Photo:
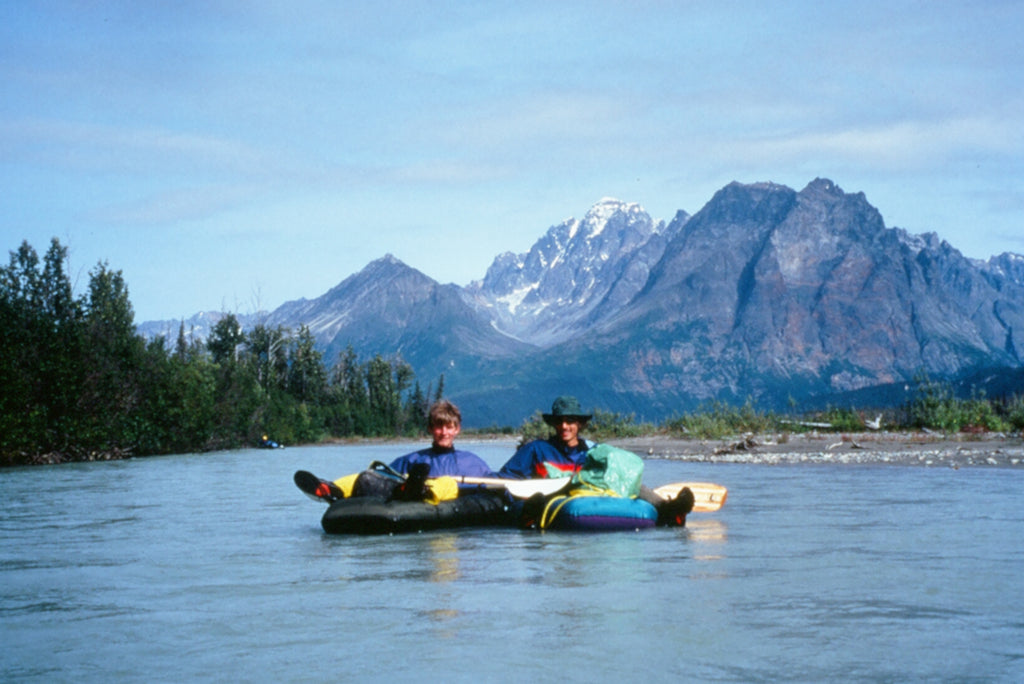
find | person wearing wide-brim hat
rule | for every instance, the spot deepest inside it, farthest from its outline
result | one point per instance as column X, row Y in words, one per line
column 560, row 455
column 565, row 452
column 566, row 409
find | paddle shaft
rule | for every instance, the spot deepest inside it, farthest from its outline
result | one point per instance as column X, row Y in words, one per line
column 521, row 489
column 708, row 497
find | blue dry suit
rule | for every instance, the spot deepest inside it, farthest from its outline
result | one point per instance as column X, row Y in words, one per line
column 545, row 458
column 449, row 461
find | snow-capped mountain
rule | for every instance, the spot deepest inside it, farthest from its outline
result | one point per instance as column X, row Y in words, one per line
column 766, row 293
column 577, row 272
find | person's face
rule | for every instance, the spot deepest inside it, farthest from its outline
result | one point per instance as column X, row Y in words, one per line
column 444, row 434
column 567, row 430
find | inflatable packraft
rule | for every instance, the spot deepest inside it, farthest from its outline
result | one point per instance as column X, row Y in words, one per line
column 595, row 514
column 378, row 515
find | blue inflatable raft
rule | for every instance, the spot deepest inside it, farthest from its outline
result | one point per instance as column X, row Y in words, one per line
column 596, row 514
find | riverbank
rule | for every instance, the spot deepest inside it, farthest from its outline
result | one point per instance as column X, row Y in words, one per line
column 895, row 448
column 929, row 449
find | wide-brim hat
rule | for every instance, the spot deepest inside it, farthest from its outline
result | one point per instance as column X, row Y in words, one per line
column 566, row 408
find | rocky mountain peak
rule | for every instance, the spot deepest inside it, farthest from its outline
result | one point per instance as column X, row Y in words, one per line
column 823, row 187
column 542, row 295
column 1008, row 266
column 608, row 210
column 765, row 293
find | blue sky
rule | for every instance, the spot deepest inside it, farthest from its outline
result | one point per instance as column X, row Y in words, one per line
column 238, row 155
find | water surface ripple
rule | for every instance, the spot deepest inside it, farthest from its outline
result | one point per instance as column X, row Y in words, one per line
column 213, row 567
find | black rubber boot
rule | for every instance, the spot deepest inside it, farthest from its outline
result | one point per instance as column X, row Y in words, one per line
column 672, row 513
column 318, row 489
column 415, row 486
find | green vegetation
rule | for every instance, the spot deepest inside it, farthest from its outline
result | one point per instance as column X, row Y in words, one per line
column 80, row 384
column 934, row 407
column 720, row 420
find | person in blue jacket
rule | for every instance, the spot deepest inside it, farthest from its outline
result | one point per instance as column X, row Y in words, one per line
column 564, row 453
column 444, row 421
column 560, row 455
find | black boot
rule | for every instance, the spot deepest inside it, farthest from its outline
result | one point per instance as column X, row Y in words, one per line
column 415, row 486
column 673, row 512
column 318, row 489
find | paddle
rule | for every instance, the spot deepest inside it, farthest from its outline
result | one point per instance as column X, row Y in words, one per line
column 521, row 489
column 707, row 496
column 319, row 489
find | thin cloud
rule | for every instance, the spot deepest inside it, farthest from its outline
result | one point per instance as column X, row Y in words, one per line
column 120, row 148
column 180, row 205
column 907, row 144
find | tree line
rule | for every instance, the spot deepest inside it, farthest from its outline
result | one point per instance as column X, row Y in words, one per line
column 79, row 383
column 933, row 407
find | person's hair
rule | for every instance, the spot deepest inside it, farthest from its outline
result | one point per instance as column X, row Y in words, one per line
column 444, row 412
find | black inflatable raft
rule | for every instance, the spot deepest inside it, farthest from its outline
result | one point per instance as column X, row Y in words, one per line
column 375, row 515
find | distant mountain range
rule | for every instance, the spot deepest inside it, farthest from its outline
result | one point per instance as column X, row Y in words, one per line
column 766, row 294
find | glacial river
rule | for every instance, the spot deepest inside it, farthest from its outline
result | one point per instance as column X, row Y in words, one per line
column 213, row 567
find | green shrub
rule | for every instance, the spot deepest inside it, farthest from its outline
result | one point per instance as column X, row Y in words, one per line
column 843, row 420
column 534, row 427
column 609, row 425
column 720, row 420
column 935, row 407
column 1014, row 413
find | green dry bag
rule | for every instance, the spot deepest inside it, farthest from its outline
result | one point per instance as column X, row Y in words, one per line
column 611, row 469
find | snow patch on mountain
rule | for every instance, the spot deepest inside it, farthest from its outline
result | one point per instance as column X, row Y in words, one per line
column 544, row 294
column 514, row 299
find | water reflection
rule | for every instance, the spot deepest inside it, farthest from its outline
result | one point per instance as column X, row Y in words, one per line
column 443, row 552
column 711, row 535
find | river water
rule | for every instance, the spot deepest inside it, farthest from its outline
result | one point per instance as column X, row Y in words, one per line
column 213, row 567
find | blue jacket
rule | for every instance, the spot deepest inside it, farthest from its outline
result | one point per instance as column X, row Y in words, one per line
column 545, row 458
column 445, row 462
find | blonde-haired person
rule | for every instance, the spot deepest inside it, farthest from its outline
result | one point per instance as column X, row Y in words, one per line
column 444, row 420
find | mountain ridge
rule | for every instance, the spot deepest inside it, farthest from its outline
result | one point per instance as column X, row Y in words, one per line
column 766, row 293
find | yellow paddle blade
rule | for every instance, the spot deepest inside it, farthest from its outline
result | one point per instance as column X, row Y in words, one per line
column 708, row 497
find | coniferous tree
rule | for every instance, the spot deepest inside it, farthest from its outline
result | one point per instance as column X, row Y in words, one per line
column 440, row 388
column 80, row 382
column 181, row 346
column 417, row 408
column 307, row 379
column 225, row 339
column 350, row 405
column 41, row 373
column 109, row 403
column 269, row 350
